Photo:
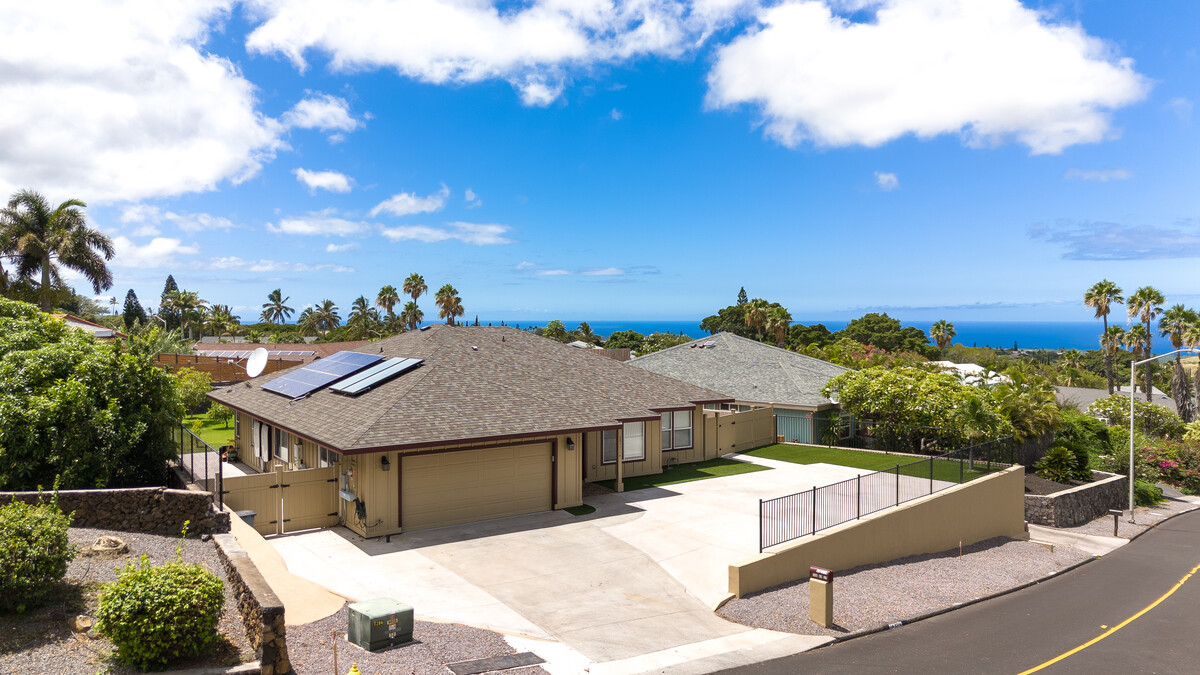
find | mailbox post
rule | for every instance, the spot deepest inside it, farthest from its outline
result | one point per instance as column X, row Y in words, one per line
column 820, row 596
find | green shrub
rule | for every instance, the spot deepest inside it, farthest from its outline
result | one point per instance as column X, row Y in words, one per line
column 34, row 552
column 155, row 615
column 1076, row 427
column 1150, row 419
column 1146, row 493
column 1191, row 432
column 1058, row 464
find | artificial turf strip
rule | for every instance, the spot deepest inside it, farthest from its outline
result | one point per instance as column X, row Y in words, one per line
column 582, row 510
column 943, row 469
column 686, row 473
column 213, row 433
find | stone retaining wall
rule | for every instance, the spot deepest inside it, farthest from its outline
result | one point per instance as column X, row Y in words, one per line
column 261, row 609
column 1079, row 505
column 154, row 510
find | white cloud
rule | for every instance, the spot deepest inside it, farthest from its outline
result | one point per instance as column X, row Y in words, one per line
column 886, row 181
column 151, row 216
column 990, row 70
column 532, row 45
column 407, row 203
column 146, row 231
column 468, row 233
column 340, row 248
column 160, row 252
column 319, row 223
column 1182, row 108
column 524, row 265
column 1100, row 175
column 616, row 115
column 323, row 180
column 473, row 200
column 604, row 272
column 236, row 263
column 323, row 112
column 122, row 102
column 552, row 273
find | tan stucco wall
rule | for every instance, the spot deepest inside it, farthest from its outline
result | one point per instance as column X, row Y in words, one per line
column 993, row 506
column 655, row 457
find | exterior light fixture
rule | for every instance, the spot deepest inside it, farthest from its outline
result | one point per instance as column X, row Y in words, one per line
column 570, row 444
column 384, row 463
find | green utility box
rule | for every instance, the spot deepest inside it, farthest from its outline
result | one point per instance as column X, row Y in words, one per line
column 379, row 623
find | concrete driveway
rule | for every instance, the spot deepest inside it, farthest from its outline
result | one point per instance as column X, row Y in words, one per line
column 630, row 586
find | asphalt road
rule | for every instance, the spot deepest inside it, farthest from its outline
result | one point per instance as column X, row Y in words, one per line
column 1020, row 631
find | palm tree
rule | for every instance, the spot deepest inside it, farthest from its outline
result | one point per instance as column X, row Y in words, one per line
column 387, row 300
column 112, row 302
column 411, row 316
column 1111, row 342
column 327, row 316
column 1174, row 324
column 39, row 240
column 274, row 309
column 220, row 321
column 1071, row 359
column 1191, row 337
column 779, row 320
column 414, row 286
column 363, row 319
column 449, row 303
column 188, row 306
column 1137, row 339
column 942, row 333
column 1101, row 297
column 308, row 322
column 1145, row 304
column 757, row 311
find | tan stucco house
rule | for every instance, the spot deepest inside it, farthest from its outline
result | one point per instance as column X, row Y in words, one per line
column 754, row 375
column 492, row 422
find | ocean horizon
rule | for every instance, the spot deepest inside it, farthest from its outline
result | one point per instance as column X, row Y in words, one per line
column 1082, row 335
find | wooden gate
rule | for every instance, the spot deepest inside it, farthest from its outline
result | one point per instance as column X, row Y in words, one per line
column 738, row 432
column 286, row 501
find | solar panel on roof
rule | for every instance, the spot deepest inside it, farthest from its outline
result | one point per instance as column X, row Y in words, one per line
column 319, row 374
column 375, row 375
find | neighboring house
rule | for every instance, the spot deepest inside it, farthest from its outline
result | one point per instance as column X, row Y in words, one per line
column 1081, row 398
column 97, row 331
column 971, row 373
column 491, row 422
column 755, row 375
column 305, row 352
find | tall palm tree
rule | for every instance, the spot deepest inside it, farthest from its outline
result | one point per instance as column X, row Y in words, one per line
column 387, row 300
column 779, row 320
column 1145, row 304
column 411, row 316
column 756, row 315
column 450, row 305
column 188, row 306
column 363, row 320
column 275, row 309
column 39, row 240
column 1137, row 339
column 308, row 322
column 220, row 321
column 1101, row 297
column 942, row 333
column 1174, row 323
column 414, row 286
column 1071, row 361
column 1191, row 337
column 327, row 316
column 1111, row 342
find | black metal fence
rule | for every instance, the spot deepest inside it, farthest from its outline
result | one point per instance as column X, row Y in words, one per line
column 797, row 515
column 200, row 462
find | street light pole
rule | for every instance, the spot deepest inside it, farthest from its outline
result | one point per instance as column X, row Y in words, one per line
column 1132, row 398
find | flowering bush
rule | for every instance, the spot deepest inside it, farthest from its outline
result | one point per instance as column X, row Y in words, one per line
column 1157, row 460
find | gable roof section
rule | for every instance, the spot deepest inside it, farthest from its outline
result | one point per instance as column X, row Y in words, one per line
column 745, row 370
column 476, row 383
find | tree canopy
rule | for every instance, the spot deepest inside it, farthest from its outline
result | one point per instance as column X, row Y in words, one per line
column 91, row 414
column 881, row 330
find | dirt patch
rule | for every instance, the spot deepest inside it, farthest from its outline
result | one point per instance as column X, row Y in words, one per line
column 1036, row 485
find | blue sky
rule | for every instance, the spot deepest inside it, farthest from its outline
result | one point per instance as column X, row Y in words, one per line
column 641, row 159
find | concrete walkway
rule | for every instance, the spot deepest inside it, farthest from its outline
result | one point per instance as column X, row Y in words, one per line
column 303, row 600
column 1088, row 543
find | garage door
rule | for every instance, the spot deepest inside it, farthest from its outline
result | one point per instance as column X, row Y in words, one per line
column 461, row 487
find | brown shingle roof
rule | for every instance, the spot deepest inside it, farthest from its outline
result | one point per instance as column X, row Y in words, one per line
column 476, row 383
column 319, row 350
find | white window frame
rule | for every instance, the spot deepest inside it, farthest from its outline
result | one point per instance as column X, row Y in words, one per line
column 282, row 447
column 633, row 435
column 326, row 457
column 608, row 446
column 671, row 427
column 237, row 426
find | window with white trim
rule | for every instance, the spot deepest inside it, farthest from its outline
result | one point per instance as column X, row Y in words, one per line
column 237, row 426
column 327, row 457
column 635, row 442
column 677, row 430
column 608, row 446
column 282, row 446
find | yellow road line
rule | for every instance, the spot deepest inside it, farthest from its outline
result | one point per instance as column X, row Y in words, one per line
column 1115, row 628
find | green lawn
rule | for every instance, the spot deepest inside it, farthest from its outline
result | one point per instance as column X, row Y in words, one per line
column 685, row 473
column 947, row 470
column 213, row 433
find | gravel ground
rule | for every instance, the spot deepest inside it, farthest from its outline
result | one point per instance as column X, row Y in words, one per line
column 42, row 642
column 873, row 595
column 310, row 648
column 1145, row 517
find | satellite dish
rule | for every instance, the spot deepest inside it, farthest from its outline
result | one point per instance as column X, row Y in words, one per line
column 256, row 362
